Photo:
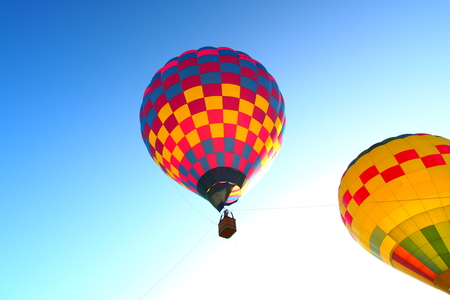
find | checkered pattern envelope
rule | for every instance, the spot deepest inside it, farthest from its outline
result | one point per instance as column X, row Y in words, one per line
column 211, row 119
column 394, row 200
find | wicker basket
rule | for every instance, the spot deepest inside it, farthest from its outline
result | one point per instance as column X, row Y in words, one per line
column 227, row 227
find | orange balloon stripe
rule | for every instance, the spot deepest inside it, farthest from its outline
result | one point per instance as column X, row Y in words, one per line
column 406, row 259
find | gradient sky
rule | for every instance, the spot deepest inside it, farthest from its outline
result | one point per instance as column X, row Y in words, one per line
column 86, row 214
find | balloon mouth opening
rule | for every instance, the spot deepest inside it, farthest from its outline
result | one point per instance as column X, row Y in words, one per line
column 233, row 196
column 222, row 186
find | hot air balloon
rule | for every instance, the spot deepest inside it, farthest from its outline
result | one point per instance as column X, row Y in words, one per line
column 212, row 119
column 394, row 200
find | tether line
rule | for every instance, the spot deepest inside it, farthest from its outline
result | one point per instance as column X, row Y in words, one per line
column 176, row 264
column 192, row 205
column 245, row 267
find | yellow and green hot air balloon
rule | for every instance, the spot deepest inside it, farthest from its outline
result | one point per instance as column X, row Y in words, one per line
column 394, row 199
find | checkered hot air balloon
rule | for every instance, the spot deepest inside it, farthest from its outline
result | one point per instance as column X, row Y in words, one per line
column 394, row 200
column 212, row 119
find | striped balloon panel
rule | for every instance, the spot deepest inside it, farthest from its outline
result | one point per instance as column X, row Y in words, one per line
column 234, row 195
column 209, row 108
column 394, row 200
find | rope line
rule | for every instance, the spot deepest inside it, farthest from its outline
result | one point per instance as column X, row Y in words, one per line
column 351, row 203
column 176, row 186
column 198, row 242
column 245, row 267
column 290, row 207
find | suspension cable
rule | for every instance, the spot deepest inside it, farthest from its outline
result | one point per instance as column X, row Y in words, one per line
column 198, row 242
column 176, row 186
column 245, row 267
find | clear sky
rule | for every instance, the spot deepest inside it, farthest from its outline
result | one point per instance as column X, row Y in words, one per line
column 86, row 214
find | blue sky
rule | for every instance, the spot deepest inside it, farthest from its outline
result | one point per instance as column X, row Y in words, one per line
column 86, row 214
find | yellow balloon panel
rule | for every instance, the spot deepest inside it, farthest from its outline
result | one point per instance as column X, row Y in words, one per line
column 394, row 199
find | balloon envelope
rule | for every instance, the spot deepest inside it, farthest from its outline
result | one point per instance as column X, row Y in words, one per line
column 211, row 119
column 394, row 200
